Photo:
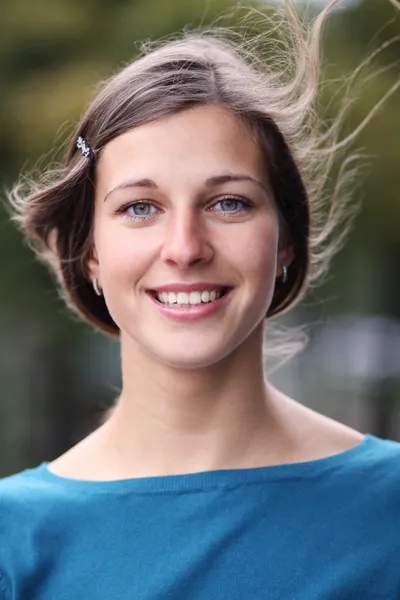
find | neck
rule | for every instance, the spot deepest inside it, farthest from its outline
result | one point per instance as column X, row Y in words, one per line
column 170, row 421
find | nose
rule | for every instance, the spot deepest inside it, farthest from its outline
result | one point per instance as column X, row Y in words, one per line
column 186, row 240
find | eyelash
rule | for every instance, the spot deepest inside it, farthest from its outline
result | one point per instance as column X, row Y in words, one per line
column 123, row 210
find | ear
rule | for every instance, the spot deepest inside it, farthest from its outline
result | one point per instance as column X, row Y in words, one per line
column 93, row 266
column 285, row 258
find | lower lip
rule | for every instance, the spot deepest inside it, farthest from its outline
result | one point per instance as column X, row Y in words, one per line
column 193, row 313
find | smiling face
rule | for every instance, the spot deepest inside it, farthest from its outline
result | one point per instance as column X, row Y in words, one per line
column 185, row 200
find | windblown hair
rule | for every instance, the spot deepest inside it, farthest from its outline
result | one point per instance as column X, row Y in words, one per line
column 275, row 98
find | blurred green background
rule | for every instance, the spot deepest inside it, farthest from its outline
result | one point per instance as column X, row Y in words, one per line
column 57, row 375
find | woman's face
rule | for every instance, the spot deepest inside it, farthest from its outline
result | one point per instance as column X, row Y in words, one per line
column 184, row 201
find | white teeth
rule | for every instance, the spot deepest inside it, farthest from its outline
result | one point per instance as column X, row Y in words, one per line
column 181, row 298
column 194, row 298
column 171, row 297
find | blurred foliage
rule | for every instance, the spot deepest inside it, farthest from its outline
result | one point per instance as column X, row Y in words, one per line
column 52, row 56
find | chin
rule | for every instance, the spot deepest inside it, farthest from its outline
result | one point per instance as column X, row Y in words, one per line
column 190, row 360
column 189, row 363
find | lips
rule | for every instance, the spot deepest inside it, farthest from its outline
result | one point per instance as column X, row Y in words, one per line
column 190, row 313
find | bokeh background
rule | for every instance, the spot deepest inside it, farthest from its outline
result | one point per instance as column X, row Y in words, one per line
column 57, row 376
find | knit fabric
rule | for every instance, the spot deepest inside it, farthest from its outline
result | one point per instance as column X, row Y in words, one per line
column 327, row 529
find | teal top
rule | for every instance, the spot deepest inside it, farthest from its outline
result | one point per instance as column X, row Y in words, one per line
column 327, row 529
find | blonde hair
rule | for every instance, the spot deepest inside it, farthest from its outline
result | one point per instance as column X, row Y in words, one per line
column 275, row 98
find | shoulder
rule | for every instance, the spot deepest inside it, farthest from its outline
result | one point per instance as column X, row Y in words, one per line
column 380, row 456
column 20, row 495
column 366, row 493
column 18, row 488
column 343, row 449
column 368, row 477
column 26, row 498
column 380, row 460
column 22, row 504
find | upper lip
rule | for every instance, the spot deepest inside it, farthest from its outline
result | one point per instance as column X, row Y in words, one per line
column 189, row 287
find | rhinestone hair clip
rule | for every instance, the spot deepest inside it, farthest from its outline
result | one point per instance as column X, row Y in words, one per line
column 83, row 147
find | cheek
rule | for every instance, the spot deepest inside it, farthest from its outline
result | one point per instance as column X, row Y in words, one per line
column 124, row 255
column 255, row 250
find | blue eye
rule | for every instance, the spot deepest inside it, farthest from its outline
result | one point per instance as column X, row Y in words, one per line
column 231, row 205
column 138, row 211
column 143, row 210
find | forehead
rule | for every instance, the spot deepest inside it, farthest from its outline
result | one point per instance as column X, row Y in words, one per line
column 192, row 144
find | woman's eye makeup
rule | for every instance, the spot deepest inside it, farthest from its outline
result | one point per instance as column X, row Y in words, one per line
column 231, row 205
column 144, row 210
column 138, row 211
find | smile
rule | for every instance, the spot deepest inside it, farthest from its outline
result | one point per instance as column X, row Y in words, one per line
column 184, row 299
column 190, row 306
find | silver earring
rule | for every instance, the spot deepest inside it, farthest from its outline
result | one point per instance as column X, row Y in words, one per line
column 284, row 274
column 96, row 287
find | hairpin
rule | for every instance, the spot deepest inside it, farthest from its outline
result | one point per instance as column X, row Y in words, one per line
column 84, row 148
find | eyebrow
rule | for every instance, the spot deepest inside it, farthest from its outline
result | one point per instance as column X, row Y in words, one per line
column 210, row 182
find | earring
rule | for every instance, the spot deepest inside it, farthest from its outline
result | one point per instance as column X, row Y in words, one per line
column 96, row 287
column 284, row 274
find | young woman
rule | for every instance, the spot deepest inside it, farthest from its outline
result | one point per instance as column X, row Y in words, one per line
column 183, row 219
